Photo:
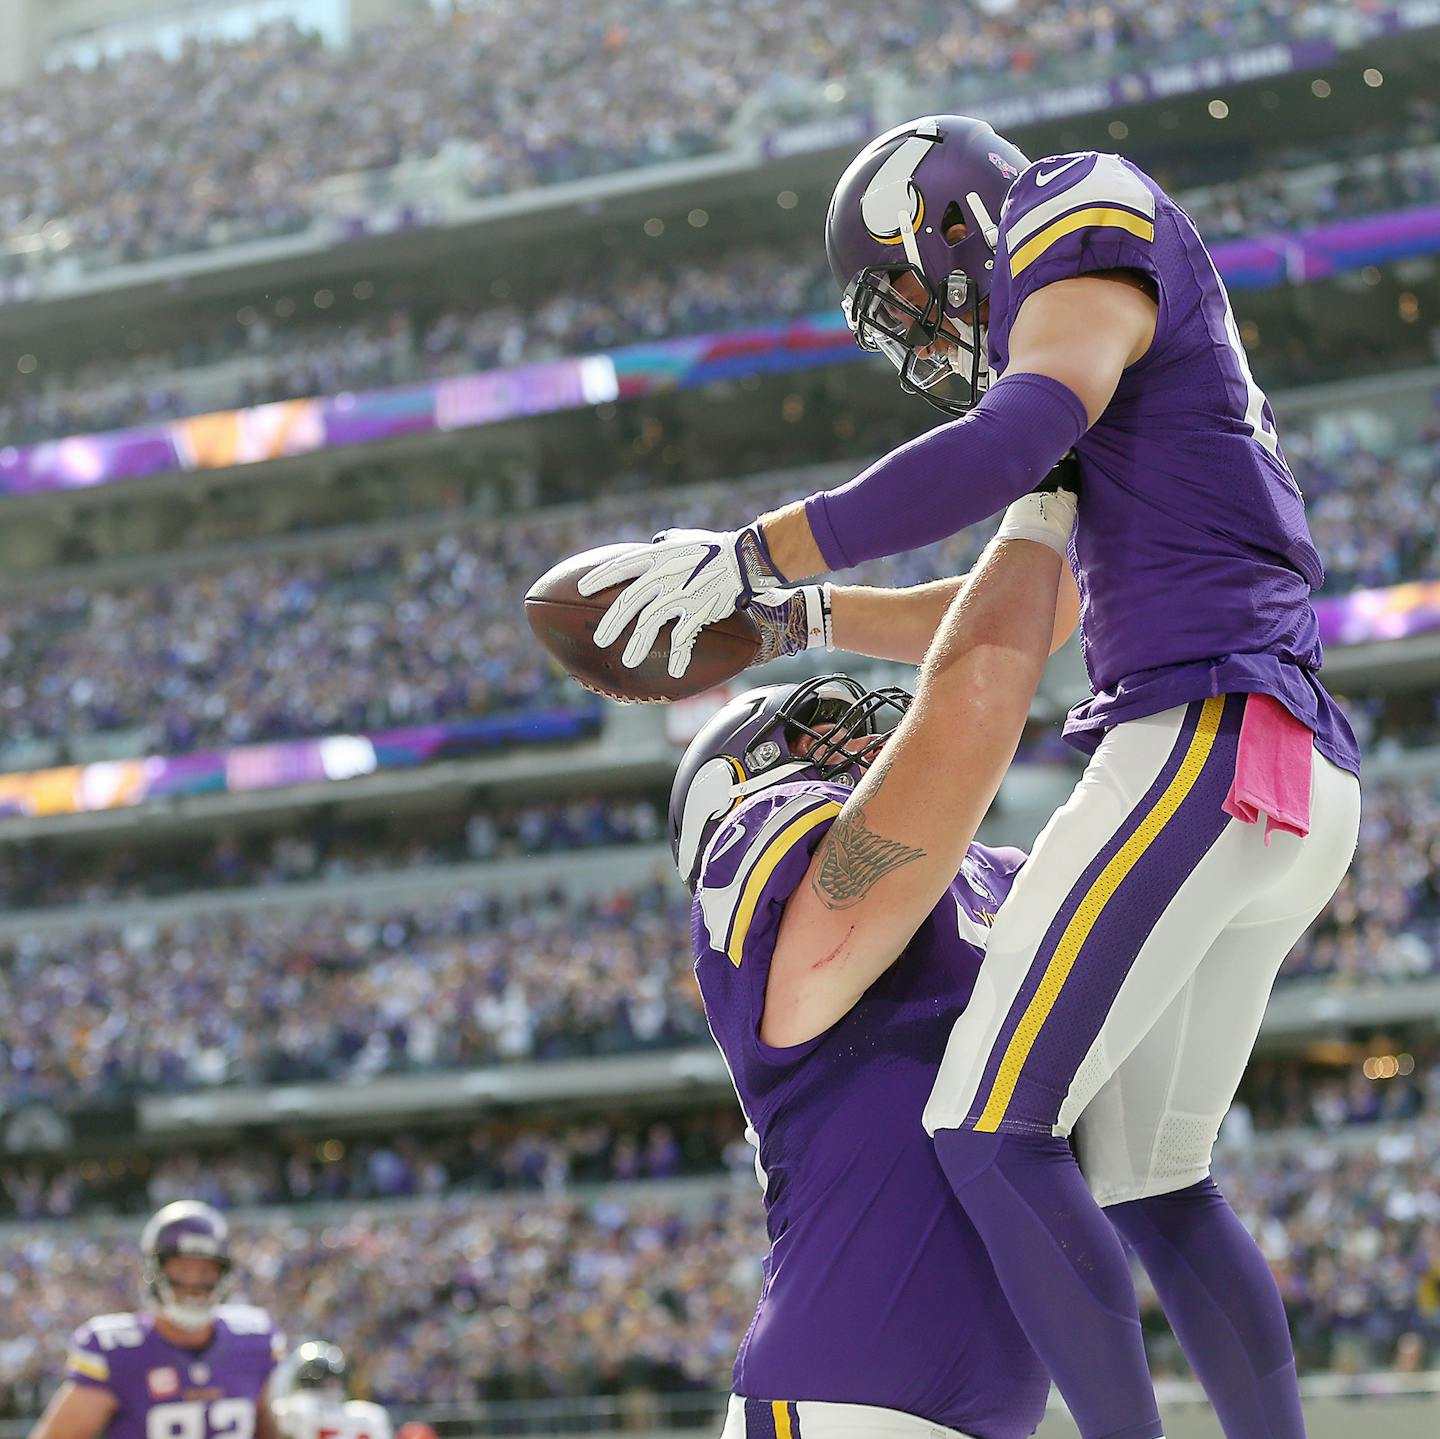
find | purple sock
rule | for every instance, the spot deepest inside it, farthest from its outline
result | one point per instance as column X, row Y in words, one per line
column 1063, row 1270
column 1221, row 1301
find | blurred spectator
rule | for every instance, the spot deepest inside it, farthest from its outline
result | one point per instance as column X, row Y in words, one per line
column 1382, row 922
column 1291, row 1093
column 277, row 995
column 445, row 1302
column 554, row 1155
column 748, row 285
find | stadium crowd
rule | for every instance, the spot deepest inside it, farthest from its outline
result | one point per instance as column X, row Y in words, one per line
column 532, row 1157
column 380, row 635
column 1291, row 1094
column 754, row 284
column 393, row 633
column 231, row 140
column 37, row 876
column 449, row 1300
column 410, row 341
column 1384, row 921
column 552, row 1157
column 327, row 992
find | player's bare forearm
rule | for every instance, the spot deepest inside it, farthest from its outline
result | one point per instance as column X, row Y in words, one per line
column 889, row 624
column 76, row 1411
column 900, row 839
column 792, row 544
column 900, row 624
column 267, row 1426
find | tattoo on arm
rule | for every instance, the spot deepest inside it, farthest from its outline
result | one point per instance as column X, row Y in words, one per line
column 854, row 858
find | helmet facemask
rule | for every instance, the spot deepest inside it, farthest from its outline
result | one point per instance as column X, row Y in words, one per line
column 185, row 1312
column 828, row 728
column 956, row 372
column 834, row 723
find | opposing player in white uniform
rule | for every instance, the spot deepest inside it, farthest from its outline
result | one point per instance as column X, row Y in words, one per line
column 312, row 1398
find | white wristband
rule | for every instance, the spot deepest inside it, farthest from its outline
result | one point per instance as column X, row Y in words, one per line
column 1046, row 517
column 817, row 617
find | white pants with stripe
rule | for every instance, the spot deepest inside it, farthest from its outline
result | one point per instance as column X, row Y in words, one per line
column 1145, row 1096
column 814, row 1419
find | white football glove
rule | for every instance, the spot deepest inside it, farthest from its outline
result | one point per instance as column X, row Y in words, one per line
column 693, row 577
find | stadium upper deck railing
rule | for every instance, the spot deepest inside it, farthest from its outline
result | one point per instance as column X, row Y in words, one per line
column 228, row 439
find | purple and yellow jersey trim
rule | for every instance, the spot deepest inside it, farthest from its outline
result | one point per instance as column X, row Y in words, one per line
column 729, row 910
column 1093, row 900
column 1105, row 196
column 85, row 1365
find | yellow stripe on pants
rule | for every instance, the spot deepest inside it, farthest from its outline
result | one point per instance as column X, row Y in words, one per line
column 1091, row 908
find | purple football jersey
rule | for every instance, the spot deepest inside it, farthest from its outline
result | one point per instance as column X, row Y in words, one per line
column 877, row 1290
column 1192, row 551
column 166, row 1392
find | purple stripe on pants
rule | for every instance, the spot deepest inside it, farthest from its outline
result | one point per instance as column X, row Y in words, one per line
column 759, row 1419
column 1110, row 948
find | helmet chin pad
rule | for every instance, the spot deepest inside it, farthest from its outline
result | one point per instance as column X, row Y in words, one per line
column 187, row 1315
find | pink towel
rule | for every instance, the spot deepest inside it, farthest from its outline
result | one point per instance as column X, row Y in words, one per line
column 1272, row 769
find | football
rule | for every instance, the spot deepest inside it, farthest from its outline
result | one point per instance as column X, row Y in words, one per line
column 564, row 622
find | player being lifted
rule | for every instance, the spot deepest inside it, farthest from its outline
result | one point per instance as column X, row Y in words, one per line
column 311, row 1398
column 191, row 1367
column 1127, row 975
column 839, row 921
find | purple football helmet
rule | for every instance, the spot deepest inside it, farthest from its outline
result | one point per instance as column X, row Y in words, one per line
column 888, row 217
column 747, row 747
column 186, row 1227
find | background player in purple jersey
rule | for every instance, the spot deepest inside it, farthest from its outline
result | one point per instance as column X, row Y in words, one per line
column 840, row 918
column 190, row 1367
column 1127, row 979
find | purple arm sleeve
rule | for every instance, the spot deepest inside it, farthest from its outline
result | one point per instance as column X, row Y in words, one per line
column 939, row 483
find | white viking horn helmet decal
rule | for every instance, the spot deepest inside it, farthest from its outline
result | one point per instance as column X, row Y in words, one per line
column 891, row 207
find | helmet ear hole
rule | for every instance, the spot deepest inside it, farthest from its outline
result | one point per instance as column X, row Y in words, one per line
column 954, row 216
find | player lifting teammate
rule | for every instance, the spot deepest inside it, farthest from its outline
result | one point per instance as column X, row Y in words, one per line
column 831, row 988
column 1128, row 972
column 191, row 1367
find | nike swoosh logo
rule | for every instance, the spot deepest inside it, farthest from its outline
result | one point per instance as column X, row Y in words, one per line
column 710, row 552
column 1045, row 179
